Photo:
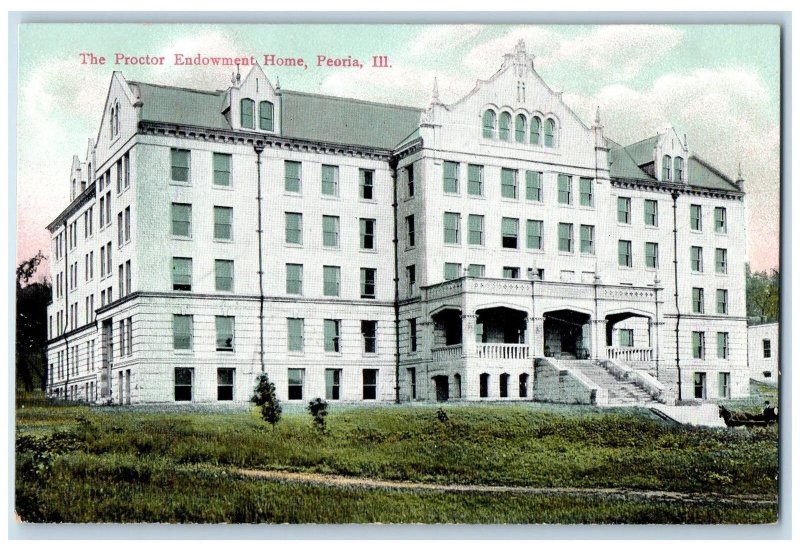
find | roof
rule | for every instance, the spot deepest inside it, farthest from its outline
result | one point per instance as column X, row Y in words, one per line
column 642, row 151
column 703, row 175
column 305, row 116
column 622, row 165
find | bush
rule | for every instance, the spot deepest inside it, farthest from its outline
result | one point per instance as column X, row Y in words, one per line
column 318, row 409
column 267, row 399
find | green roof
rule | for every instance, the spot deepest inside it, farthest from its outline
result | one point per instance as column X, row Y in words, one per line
column 173, row 105
column 642, row 152
column 703, row 175
column 622, row 165
column 346, row 121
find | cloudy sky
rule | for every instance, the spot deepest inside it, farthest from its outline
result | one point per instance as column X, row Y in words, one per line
column 717, row 84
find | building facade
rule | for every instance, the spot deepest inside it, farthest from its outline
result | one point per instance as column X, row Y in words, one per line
column 763, row 348
column 361, row 251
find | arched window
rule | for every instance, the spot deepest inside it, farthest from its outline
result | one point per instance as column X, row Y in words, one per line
column 484, row 385
column 679, row 169
column 549, row 132
column 505, row 126
column 536, row 130
column 116, row 119
column 247, row 106
column 265, row 118
column 520, row 128
column 523, row 385
column 111, row 122
column 666, row 163
column 489, row 122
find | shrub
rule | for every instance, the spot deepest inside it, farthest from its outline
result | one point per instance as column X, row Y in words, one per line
column 267, row 399
column 318, row 409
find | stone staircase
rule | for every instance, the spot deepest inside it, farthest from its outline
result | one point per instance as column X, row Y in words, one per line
column 620, row 393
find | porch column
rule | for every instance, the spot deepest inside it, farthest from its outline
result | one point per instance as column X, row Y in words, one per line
column 426, row 339
column 469, row 348
column 599, row 350
column 537, row 336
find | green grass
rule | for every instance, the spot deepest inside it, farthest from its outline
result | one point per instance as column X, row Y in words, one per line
column 84, row 464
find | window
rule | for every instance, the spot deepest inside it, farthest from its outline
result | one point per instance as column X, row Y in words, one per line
column 721, row 261
column 330, row 281
column 120, row 231
column 475, row 180
column 330, row 180
column 533, row 185
column 536, row 130
column 224, row 326
column 767, row 374
column 698, row 300
column 295, row 329
column 294, row 228
column 720, row 220
column 183, row 384
column 332, row 383
column 624, row 210
column 410, row 230
column 587, row 239
column 697, row 259
column 367, row 229
column 475, row 223
column 722, row 301
column 291, row 176
column 452, row 270
column 484, row 385
column 505, row 126
column 511, row 272
column 223, row 275
column 412, row 332
column 722, row 346
column 411, row 278
column 294, row 279
column 331, row 333
column 368, row 282
column 700, row 385
column 247, row 107
column 181, row 274
column 549, row 133
column 370, row 384
column 409, row 170
column 366, row 179
column 651, row 255
column 624, row 253
column 180, row 166
column 625, row 337
column 222, row 169
column 766, row 347
column 510, row 233
column 724, row 385
column 225, row 384
column 696, row 217
column 127, row 225
column 295, row 383
column 452, row 225
column 698, row 345
column 181, row 332
column 369, row 331
column 666, row 164
column 650, row 212
column 330, row 231
column 265, row 116
column 223, row 223
column 565, row 237
column 450, row 177
column 587, row 196
column 504, row 385
column 564, row 189
column 489, row 123
column 508, row 183
column 534, row 234
column 520, row 128
column 476, row 270
column 679, row 169
column 412, row 381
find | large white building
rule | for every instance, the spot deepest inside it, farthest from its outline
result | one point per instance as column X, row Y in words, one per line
column 762, row 352
column 364, row 251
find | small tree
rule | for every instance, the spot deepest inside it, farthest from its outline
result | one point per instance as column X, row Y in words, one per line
column 318, row 408
column 266, row 398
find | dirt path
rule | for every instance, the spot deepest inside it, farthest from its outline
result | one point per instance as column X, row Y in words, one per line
column 372, row 483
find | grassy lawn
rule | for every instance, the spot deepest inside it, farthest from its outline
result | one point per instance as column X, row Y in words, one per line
column 81, row 464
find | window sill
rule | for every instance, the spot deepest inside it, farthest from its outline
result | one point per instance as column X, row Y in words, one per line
column 183, row 352
column 217, row 240
column 476, row 246
column 625, row 267
column 293, row 193
column 370, row 201
column 326, row 197
column 624, row 224
column 451, row 194
column 331, row 248
column 586, row 207
column 226, row 351
column 182, row 238
column 221, row 187
column 566, row 253
column 452, row 245
column 294, row 245
column 295, row 353
column 476, row 196
column 368, row 251
column 588, row 255
column 181, row 184
column 510, row 199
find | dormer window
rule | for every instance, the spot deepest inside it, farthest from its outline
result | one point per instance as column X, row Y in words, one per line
column 549, row 132
column 536, row 130
column 679, row 169
column 520, row 128
column 505, row 126
column 265, row 116
column 247, row 108
column 666, row 163
column 489, row 123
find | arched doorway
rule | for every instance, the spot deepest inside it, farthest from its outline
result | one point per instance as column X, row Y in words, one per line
column 442, row 385
column 629, row 337
column 567, row 334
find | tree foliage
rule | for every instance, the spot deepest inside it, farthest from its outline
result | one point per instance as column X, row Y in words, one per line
column 31, row 326
column 318, row 409
column 763, row 295
column 266, row 397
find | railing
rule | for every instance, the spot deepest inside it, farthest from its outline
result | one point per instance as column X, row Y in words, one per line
column 501, row 351
column 629, row 354
column 447, row 352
